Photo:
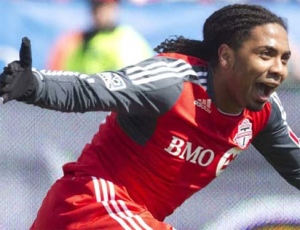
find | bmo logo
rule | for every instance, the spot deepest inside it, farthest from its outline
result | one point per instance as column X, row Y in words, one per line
column 194, row 154
column 197, row 154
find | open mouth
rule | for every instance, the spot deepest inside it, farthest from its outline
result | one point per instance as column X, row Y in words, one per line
column 265, row 90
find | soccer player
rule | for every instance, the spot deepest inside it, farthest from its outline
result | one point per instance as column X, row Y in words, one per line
column 176, row 121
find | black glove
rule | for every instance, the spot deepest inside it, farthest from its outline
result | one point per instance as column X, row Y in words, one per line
column 17, row 80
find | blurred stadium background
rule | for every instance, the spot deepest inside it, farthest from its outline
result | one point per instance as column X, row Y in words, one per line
column 35, row 142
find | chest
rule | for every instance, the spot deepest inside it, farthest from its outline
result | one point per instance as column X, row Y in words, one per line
column 196, row 134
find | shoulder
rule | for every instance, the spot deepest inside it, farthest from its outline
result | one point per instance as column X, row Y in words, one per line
column 163, row 66
column 277, row 108
column 274, row 114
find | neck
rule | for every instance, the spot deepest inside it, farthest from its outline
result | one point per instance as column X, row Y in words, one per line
column 222, row 97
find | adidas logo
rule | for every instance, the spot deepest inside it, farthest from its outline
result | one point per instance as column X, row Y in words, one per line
column 203, row 104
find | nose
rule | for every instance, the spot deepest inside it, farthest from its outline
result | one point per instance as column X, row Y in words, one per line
column 279, row 70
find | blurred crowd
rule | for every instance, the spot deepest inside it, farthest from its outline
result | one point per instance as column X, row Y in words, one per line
column 61, row 45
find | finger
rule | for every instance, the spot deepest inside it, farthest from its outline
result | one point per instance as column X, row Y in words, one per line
column 7, row 70
column 6, row 88
column 6, row 78
column 25, row 53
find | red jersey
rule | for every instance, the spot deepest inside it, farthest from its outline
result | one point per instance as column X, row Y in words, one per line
column 165, row 139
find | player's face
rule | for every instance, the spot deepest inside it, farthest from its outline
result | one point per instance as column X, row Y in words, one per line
column 258, row 67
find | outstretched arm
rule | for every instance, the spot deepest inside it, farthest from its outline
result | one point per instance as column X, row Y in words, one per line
column 149, row 87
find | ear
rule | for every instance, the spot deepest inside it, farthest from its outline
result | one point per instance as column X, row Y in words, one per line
column 226, row 57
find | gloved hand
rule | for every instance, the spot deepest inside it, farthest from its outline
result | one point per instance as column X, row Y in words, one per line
column 17, row 81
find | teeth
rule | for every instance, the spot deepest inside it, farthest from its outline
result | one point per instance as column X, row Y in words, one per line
column 270, row 85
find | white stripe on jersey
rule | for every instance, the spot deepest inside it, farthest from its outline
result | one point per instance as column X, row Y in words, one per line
column 292, row 135
column 117, row 209
column 202, row 73
column 154, row 65
column 97, row 190
column 129, row 213
column 146, row 71
column 60, row 73
column 203, row 81
column 278, row 102
column 163, row 76
column 162, row 70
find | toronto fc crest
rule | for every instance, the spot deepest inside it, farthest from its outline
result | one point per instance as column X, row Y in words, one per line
column 244, row 134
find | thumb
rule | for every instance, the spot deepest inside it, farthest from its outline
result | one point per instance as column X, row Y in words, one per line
column 25, row 53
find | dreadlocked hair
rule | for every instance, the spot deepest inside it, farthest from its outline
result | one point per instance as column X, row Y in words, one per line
column 182, row 45
column 231, row 25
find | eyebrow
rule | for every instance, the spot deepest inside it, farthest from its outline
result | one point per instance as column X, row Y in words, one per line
column 273, row 49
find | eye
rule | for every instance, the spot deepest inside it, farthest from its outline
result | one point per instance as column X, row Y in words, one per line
column 285, row 58
column 266, row 54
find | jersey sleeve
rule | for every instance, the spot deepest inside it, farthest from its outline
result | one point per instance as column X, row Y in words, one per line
column 279, row 145
column 150, row 86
